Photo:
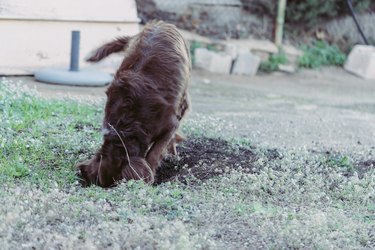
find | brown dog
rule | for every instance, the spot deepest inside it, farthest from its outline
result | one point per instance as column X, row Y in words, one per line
column 145, row 104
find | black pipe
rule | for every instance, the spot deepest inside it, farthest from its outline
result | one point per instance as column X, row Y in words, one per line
column 350, row 5
column 74, row 52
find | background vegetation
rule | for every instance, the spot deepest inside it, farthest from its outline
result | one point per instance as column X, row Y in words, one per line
column 309, row 12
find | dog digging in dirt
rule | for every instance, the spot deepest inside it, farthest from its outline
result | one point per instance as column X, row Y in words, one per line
column 145, row 104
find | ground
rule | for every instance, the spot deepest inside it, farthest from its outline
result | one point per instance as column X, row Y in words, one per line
column 320, row 110
column 275, row 161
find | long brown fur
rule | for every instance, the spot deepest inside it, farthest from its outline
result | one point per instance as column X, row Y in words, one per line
column 145, row 103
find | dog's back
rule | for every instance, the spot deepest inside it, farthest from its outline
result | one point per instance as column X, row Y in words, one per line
column 153, row 76
column 160, row 54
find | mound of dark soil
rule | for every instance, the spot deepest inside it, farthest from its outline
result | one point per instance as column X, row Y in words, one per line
column 204, row 158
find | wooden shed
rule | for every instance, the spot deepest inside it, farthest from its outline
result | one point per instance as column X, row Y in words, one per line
column 36, row 33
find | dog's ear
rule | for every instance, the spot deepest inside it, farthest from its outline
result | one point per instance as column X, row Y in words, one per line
column 100, row 170
column 138, row 169
column 87, row 172
column 109, row 171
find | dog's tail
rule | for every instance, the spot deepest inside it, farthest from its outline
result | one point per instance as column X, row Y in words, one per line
column 112, row 47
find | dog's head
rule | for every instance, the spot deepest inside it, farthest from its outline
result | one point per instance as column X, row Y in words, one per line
column 106, row 171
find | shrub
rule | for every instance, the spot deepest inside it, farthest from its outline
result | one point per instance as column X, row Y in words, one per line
column 273, row 62
column 321, row 53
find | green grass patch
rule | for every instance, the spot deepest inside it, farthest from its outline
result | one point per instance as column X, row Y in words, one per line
column 41, row 140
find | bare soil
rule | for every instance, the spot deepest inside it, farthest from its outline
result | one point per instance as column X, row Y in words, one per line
column 202, row 158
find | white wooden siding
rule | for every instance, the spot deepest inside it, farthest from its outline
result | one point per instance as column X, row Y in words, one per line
column 70, row 10
column 36, row 34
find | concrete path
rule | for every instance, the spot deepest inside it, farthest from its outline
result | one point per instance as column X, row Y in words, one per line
column 326, row 109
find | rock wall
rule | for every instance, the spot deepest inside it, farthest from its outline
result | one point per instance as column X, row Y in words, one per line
column 219, row 19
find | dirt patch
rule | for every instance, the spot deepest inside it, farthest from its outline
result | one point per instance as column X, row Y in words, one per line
column 204, row 158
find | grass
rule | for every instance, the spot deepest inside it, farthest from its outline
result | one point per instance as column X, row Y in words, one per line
column 274, row 200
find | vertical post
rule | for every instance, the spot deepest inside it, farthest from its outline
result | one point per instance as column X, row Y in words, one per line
column 74, row 52
column 280, row 22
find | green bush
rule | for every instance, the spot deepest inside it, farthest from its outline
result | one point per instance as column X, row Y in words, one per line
column 321, row 53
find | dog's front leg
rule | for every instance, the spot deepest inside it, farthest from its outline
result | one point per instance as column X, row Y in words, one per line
column 155, row 154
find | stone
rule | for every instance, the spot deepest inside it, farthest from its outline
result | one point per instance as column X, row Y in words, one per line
column 202, row 57
column 194, row 37
column 361, row 61
column 292, row 54
column 232, row 50
column 263, row 48
column 246, row 64
column 287, row 68
column 220, row 63
column 264, row 56
column 255, row 45
column 212, row 61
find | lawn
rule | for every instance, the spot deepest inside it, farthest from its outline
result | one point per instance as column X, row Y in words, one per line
column 223, row 193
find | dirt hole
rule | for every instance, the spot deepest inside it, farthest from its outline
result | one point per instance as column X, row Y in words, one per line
column 204, row 158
